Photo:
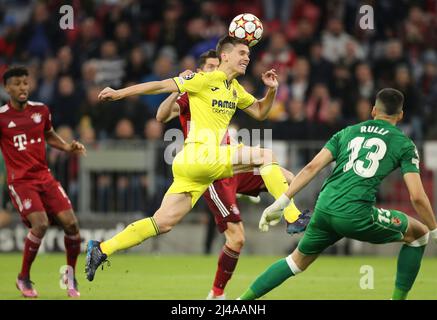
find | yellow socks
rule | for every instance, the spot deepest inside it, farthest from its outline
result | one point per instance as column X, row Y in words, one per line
column 276, row 184
column 132, row 235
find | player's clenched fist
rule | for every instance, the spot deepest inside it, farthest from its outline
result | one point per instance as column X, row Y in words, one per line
column 109, row 94
column 76, row 147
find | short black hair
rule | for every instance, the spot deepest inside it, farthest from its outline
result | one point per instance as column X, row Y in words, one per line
column 227, row 41
column 392, row 100
column 204, row 56
column 17, row 71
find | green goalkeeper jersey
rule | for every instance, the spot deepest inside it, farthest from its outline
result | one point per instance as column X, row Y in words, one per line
column 365, row 154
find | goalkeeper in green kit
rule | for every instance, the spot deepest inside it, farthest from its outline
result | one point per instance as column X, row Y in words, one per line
column 365, row 154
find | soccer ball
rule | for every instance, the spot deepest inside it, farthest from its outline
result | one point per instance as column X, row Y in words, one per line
column 247, row 27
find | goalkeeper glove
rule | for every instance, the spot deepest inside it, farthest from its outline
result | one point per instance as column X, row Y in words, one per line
column 273, row 214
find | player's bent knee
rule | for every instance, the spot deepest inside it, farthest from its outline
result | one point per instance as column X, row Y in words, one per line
column 39, row 229
column 236, row 242
column 419, row 242
column 293, row 266
column 71, row 227
column 163, row 225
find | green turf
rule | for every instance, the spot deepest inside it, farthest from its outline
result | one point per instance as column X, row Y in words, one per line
column 190, row 277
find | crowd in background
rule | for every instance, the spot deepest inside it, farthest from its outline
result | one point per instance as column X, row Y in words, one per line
column 329, row 68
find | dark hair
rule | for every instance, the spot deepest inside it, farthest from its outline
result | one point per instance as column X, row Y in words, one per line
column 392, row 100
column 14, row 72
column 204, row 56
column 225, row 42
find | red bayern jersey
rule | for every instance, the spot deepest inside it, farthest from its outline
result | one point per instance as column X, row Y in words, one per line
column 22, row 141
column 185, row 117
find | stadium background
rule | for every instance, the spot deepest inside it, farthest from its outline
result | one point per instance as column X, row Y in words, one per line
column 329, row 71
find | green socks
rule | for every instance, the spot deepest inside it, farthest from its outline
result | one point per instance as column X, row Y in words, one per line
column 270, row 279
column 408, row 267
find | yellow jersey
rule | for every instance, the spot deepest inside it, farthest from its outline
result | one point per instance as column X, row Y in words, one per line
column 213, row 101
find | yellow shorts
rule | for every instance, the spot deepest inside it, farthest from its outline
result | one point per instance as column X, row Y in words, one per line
column 197, row 165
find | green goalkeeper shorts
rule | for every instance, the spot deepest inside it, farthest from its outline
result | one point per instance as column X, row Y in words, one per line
column 378, row 226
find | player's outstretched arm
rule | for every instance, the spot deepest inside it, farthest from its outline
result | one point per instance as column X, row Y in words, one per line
column 273, row 214
column 420, row 201
column 55, row 141
column 152, row 87
column 261, row 108
column 168, row 109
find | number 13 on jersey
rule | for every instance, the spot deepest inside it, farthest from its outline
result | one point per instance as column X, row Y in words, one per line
column 373, row 157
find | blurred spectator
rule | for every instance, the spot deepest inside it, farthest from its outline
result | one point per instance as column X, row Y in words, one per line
column 42, row 36
column 279, row 10
column 162, row 69
column 137, row 66
column 110, row 67
column 364, row 86
column 133, row 109
column 279, row 55
column 100, row 114
column 330, row 124
column 8, row 40
column 87, row 43
column 48, row 82
column 124, row 130
column 363, row 110
column 87, row 135
column 187, row 63
column 124, row 39
column 304, row 38
column 153, row 130
column 335, row 40
column 321, row 69
column 342, row 88
column 354, row 54
column 384, row 68
column 300, row 84
column 412, row 103
column 65, row 107
column 89, row 73
column 296, row 126
column 317, row 108
column 172, row 32
column 67, row 65
column 403, row 83
column 415, row 29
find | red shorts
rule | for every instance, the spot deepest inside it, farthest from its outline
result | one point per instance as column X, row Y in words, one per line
column 221, row 196
column 39, row 195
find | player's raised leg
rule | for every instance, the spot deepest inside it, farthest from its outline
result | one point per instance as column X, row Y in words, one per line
column 72, row 241
column 410, row 258
column 246, row 158
column 173, row 208
column 39, row 224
